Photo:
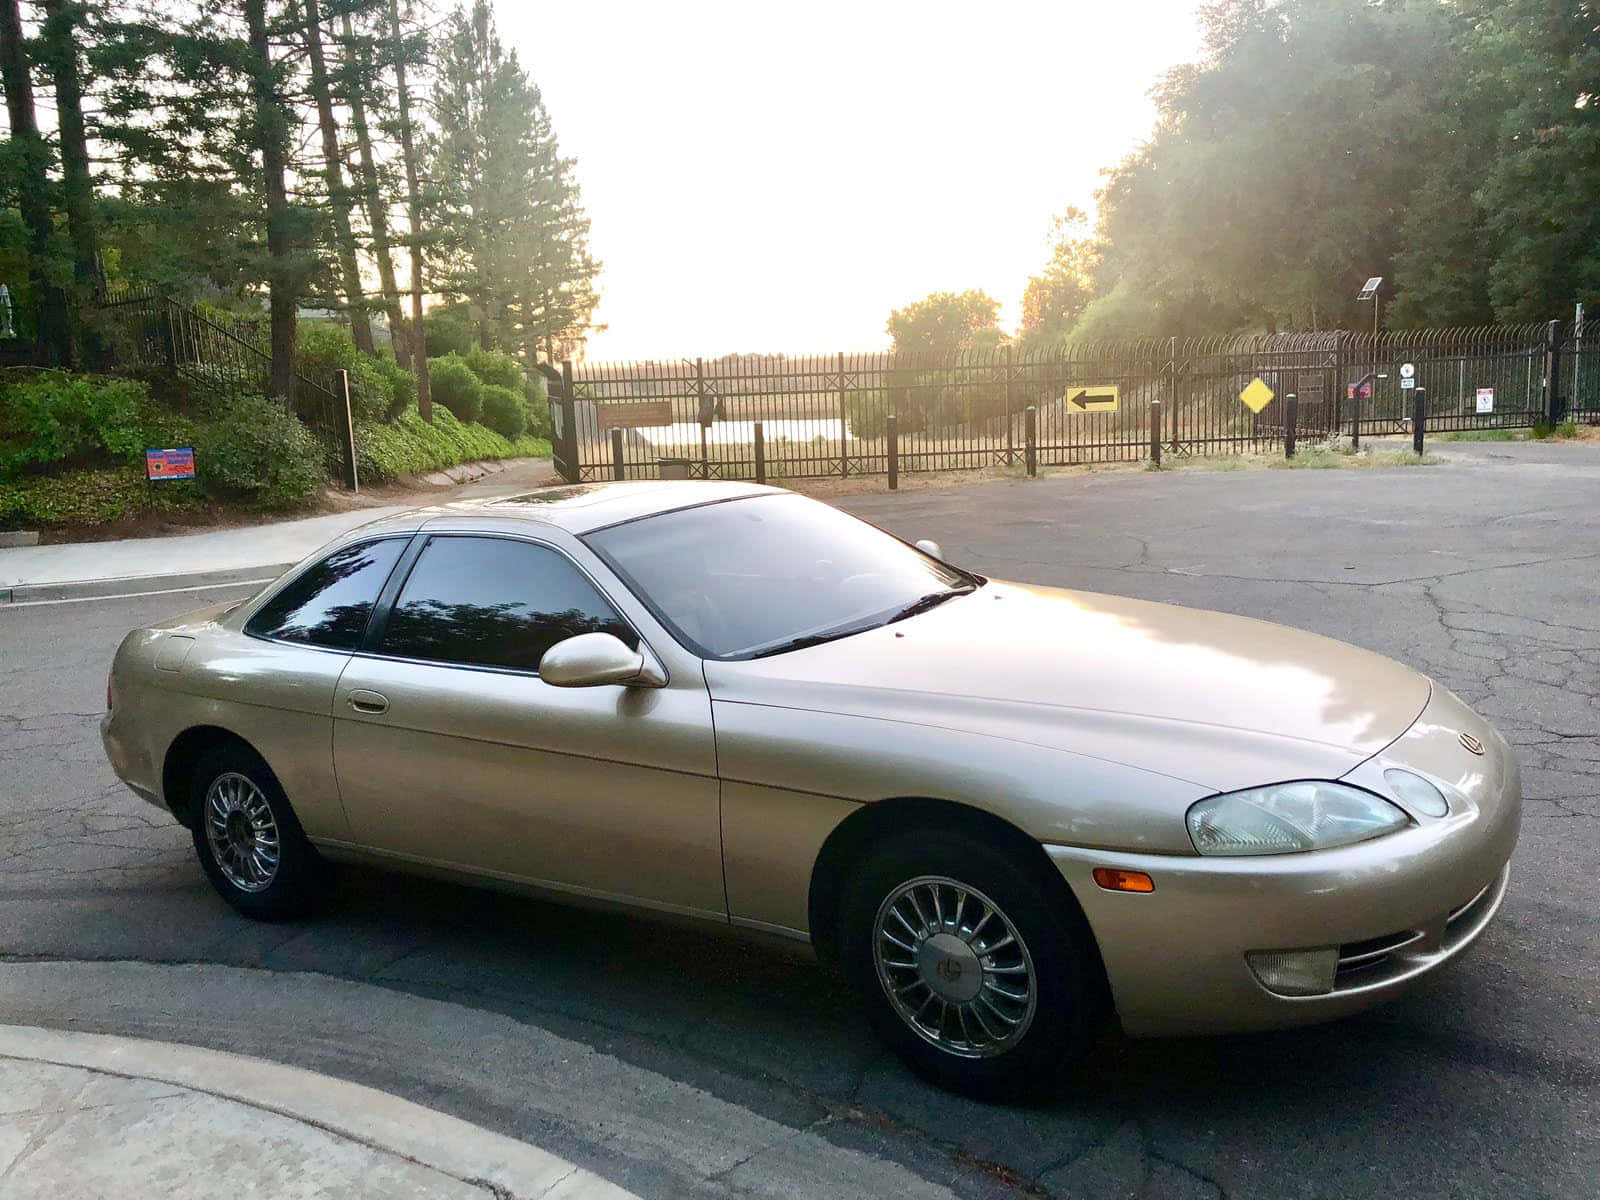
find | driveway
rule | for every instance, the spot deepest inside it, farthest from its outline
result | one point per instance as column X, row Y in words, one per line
column 679, row 1061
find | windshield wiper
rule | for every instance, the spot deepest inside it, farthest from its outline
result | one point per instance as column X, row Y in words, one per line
column 809, row 639
column 932, row 600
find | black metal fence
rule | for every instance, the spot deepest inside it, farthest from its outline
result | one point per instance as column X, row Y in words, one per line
column 777, row 416
column 147, row 331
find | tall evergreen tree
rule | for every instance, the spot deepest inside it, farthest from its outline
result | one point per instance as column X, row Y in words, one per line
column 27, row 171
column 401, row 51
column 518, row 248
column 360, row 78
column 339, row 197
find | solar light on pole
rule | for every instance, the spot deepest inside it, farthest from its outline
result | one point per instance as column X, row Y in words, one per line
column 1369, row 291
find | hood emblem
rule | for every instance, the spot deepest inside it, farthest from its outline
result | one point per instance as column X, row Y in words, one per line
column 1471, row 743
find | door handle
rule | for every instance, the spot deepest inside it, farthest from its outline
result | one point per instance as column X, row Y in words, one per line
column 368, row 702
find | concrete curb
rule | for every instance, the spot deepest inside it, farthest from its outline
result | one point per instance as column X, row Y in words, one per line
column 347, row 1110
column 137, row 585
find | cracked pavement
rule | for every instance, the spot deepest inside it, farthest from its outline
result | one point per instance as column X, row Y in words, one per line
column 1484, row 1081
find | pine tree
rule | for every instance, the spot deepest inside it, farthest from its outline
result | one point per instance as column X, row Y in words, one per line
column 27, row 171
column 517, row 247
column 339, row 202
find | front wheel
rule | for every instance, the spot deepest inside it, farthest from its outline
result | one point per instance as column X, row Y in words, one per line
column 248, row 839
column 970, row 967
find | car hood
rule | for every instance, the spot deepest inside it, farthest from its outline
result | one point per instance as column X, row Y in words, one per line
column 1218, row 700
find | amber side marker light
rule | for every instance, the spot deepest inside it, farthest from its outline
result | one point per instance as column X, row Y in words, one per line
column 1114, row 880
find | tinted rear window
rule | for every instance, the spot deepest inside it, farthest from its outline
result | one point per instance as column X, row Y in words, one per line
column 329, row 605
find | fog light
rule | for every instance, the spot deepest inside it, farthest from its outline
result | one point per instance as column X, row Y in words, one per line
column 1416, row 791
column 1295, row 972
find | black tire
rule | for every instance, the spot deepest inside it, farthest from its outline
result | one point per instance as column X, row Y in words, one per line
column 298, row 884
column 1068, row 980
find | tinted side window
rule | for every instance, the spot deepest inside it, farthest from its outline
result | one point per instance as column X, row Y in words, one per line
column 493, row 602
column 329, row 604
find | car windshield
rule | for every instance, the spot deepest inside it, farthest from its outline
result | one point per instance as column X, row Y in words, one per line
column 770, row 573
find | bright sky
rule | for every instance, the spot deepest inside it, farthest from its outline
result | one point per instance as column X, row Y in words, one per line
column 767, row 176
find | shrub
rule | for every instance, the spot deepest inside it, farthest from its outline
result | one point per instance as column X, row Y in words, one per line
column 321, row 349
column 54, row 417
column 504, row 410
column 493, row 366
column 536, row 389
column 88, row 498
column 401, row 384
column 447, row 331
column 411, row 445
column 452, row 384
column 259, row 454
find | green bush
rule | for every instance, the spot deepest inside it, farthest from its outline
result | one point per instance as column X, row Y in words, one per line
column 448, row 331
column 88, row 498
column 504, row 410
column 452, row 384
column 401, row 384
column 259, row 454
column 411, row 445
column 536, row 390
column 322, row 348
column 54, row 417
column 493, row 366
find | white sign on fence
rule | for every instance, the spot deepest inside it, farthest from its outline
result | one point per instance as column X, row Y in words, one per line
column 1486, row 400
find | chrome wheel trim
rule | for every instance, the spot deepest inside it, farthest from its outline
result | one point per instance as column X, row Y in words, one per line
column 954, row 967
column 242, row 832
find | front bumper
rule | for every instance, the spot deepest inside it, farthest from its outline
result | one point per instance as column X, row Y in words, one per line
column 1397, row 907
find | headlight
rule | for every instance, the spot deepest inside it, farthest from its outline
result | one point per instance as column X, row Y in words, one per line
column 1286, row 818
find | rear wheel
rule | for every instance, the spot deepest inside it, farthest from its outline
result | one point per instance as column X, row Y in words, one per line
column 248, row 839
column 973, row 969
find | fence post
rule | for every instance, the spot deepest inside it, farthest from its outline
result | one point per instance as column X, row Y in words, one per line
column 567, row 454
column 1155, row 433
column 616, row 452
column 892, row 430
column 347, row 432
column 1010, row 407
column 844, row 426
column 1419, row 416
column 700, row 406
column 1291, row 418
column 1553, row 407
column 761, row 454
column 1031, row 433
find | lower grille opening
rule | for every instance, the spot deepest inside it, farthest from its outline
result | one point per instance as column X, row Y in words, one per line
column 1358, row 958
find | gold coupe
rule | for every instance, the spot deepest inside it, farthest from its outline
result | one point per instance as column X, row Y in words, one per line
column 1005, row 811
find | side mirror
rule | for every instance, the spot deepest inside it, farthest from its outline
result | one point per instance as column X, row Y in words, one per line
column 597, row 659
column 931, row 548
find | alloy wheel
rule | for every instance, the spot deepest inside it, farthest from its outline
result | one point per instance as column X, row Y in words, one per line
column 954, row 967
column 242, row 832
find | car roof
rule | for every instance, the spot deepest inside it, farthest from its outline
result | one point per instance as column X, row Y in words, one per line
column 577, row 508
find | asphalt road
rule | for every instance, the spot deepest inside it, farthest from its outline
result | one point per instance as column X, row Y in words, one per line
column 677, row 1061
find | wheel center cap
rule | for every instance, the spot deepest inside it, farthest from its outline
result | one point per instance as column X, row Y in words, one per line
column 239, row 831
column 950, row 968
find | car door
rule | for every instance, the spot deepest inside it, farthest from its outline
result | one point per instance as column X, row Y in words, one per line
column 274, row 685
column 450, row 750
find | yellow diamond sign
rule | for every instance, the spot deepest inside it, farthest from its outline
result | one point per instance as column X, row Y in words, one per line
column 1257, row 396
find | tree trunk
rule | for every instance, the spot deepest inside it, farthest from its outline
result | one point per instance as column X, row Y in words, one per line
column 338, row 197
column 63, row 30
column 281, row 275
column 373, row 203
column 53, row 326
column 414, row 207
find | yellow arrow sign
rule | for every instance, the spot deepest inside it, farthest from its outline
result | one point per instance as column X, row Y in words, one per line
column 1256, row 396
column 1093, row 399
